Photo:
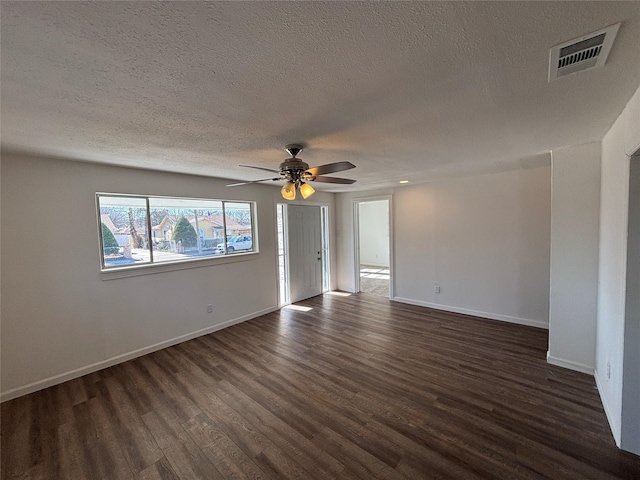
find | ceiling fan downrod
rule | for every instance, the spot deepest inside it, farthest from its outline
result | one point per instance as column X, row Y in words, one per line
column 293, row 149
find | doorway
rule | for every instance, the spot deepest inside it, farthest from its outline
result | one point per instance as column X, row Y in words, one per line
column 373, row 247
column 303, row 251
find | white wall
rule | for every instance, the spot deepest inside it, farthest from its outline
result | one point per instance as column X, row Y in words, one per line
column 373, row 223
column 575, row 223
column 630, row 433
column 484, row 240
column 620, row 141
column 60, row 319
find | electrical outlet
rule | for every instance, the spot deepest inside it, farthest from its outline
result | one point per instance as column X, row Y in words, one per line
column 436, row 289
column 608, row 371
column 209, row 308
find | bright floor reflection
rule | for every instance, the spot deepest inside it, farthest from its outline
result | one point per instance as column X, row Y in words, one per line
column 298, row 308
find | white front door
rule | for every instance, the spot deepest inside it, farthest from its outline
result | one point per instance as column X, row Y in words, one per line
column 305, row 252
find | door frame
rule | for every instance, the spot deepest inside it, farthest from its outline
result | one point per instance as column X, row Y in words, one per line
column 356, row 240
column 325, row 229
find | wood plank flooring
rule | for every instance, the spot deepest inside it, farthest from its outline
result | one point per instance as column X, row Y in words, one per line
column 357, row 387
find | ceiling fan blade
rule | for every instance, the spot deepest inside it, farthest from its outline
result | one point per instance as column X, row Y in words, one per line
column 253, row 181
column 330, row 168
column 261, row 168
column 344, row 181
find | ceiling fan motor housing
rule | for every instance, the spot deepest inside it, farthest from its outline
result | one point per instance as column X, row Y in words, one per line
column 292, row 168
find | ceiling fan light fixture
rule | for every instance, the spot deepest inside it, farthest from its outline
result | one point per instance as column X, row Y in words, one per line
column 289, row 191
column 306, row 190
column 297, row 173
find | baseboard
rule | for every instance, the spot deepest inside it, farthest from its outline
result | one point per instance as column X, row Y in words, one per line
column 79, row 372
column 475, row 313
column 614, row 425
column 561, row 362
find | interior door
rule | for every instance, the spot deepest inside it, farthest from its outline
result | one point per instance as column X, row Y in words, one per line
column 305, row 251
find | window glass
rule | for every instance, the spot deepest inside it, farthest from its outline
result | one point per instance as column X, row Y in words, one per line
column 142, row 230
column 185, row 229
column 238, row 219
column 123, row 231
column 282, row 257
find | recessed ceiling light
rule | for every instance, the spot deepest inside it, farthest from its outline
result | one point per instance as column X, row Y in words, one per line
column 404, row 181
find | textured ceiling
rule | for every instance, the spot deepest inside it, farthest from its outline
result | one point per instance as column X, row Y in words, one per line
column 404, row 90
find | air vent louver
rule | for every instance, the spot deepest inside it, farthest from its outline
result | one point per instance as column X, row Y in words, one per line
column 579, row 54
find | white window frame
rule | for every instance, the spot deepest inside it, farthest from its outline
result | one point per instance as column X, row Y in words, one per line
column 113, row 272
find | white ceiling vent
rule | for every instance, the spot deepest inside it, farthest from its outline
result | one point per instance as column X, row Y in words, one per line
column 582, row 53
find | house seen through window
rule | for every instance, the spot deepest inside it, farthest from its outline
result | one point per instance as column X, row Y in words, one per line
column 140, row 230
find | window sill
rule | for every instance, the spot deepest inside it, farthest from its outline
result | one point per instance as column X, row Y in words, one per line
column 151, row 269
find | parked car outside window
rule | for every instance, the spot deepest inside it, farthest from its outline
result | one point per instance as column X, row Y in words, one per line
column 234, row 244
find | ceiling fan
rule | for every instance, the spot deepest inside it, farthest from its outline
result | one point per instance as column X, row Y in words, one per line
column 297, row 173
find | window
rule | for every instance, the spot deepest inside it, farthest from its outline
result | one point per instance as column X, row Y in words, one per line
column 283, row 268
column 140, row 230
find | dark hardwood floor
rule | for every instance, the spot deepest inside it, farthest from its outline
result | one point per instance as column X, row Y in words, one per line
column 357, row 387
